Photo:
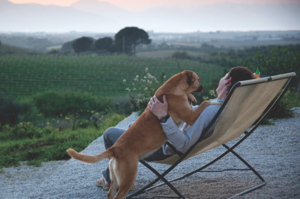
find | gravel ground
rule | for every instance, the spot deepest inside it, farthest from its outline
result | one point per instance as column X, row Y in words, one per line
column 272, row 150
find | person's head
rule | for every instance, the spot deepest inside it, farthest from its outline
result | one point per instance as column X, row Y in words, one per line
column 236, row 74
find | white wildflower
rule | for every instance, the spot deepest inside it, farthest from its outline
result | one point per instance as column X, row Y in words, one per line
column 136, row 78
column 124, row 80
column 150, row 76
column 146, row 69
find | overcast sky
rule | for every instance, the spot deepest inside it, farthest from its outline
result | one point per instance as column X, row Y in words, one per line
column 144, row 4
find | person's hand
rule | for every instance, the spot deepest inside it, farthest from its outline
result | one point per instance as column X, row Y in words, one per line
column 157, row 108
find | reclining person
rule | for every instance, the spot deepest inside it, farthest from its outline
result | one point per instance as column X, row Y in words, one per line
column 185, row 136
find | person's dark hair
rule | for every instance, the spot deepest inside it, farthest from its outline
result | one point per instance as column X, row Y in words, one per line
column 239, row 73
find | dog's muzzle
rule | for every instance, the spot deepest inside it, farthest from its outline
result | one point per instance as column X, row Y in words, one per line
column 200, row 89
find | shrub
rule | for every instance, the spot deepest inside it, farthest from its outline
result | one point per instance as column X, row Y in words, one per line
column 28, row 110
column 25, row 130
column 62, row 104
column 52, row 143
column 143, row 89
column 279, row 60
column 123, row 106
column 180, row 55
column 9, row 110
column 83, row 124
column 47, row 130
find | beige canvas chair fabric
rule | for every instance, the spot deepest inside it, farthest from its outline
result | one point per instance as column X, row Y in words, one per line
column 246, row 104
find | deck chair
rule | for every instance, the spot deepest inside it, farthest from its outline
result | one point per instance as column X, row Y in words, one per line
column 246, row 102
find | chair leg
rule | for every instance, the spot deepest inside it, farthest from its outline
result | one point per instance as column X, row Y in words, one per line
column 159, row 177
column 251, row 168
column 146, row 188
column 192, row 172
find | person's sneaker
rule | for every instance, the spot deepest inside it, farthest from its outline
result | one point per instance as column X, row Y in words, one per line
column 102, row 183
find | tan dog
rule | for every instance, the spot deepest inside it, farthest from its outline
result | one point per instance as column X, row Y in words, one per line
column 146, row 135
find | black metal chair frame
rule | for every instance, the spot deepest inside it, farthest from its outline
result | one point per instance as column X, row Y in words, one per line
column 150, row 186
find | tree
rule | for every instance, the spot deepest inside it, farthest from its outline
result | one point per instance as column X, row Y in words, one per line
column 82, row 44
column 105, row 43
column 66, row 47
column 128, row 38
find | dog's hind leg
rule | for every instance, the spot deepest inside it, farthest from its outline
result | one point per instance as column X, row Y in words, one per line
column 114, row 183
column 126, row 174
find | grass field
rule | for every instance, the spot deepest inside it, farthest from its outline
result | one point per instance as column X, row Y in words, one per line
column 99, row 75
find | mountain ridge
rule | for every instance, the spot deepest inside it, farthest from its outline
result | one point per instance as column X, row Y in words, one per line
column 101, row 16
column 51, row 18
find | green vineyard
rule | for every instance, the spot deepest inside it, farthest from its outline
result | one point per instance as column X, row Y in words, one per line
column 98, row 75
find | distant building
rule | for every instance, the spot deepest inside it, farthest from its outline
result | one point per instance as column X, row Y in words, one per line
column 165, row 36
column 245, row 38
column 257, row 38
column 269, row 38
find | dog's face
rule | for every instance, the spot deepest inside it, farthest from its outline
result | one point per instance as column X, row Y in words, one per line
column 193, row 82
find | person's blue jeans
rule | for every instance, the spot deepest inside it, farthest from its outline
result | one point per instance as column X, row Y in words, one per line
column 111, row 135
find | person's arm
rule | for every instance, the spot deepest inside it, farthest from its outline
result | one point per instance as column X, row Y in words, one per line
column 181, row 140
column 184, row 140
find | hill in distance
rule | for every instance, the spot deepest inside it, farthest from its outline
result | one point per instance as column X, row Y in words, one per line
column 101, row 16
column 51, row 18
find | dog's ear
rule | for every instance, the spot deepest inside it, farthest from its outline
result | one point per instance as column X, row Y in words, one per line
column 190, row 78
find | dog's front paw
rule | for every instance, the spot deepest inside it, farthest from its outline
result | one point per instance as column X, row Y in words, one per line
column 192, row 98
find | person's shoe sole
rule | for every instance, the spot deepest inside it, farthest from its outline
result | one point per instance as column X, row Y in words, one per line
column 100, row 183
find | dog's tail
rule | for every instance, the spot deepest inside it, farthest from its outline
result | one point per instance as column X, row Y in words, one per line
column 90, row 158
